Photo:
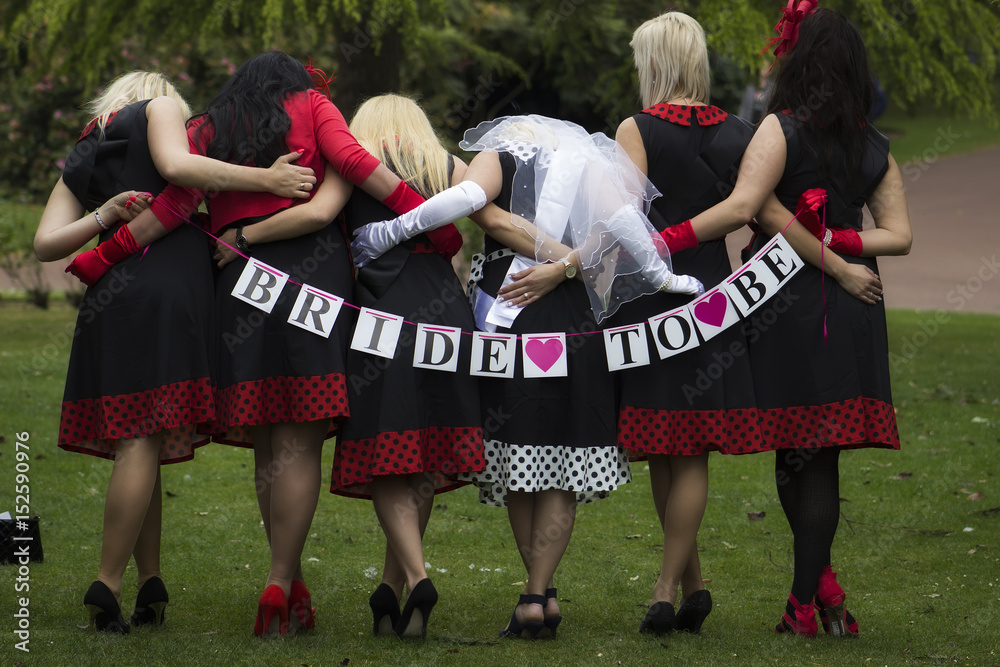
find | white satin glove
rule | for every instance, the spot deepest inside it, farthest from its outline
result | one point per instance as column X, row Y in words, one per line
column 376, row 238
column 629, row 227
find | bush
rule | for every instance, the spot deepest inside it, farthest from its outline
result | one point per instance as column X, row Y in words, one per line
column 17, row 254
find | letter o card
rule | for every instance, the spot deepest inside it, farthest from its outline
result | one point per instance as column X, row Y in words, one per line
column 673, row 332
column 436, row 348
column 544, row 355
column 260, row 285
column 377, row 332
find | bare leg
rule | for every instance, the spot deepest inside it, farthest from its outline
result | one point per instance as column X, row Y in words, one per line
column 133, row 478
column 294, row 473
column 551, row 527
column 147, row 546
column 399, row 513
column 682, row 514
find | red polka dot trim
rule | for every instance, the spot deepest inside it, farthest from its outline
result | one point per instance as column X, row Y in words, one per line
column 445, row 451
column 278, row 400
column 854, row 423
column 644, row 431
column 95, row 425
column 682, row 114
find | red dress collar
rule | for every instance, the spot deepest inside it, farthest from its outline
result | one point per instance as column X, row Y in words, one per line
column 682, row 114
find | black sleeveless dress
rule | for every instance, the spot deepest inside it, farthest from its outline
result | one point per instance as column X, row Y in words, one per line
column 407, row 420
column 700, row 400
column 270, row 371
column 141, row 357
column 549, row 433
column 816, row 391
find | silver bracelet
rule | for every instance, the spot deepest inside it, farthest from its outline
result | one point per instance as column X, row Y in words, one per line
column 827, row 237
column 97, row 214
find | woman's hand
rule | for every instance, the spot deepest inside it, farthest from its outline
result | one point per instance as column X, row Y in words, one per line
column 224, row 253
column 290, row 180
column 532, row 284
column 125, row 206
column 861, row 282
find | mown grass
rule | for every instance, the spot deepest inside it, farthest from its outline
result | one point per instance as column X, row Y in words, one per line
column 924, row 586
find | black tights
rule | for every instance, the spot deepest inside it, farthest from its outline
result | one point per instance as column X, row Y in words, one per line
column 808, row 483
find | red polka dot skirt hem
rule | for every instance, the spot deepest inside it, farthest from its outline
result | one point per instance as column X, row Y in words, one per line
column 852, row 424
column 95, row 425
column 278, row 400
column 445, row 451
column 644, row 431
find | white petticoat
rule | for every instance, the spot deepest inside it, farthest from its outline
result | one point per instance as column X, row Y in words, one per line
column 592, row 472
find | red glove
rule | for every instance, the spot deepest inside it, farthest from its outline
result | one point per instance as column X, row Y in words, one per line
column 679, row 237
column 91, row 265
column 844, row 241
column 808, row 209
column 447, row 240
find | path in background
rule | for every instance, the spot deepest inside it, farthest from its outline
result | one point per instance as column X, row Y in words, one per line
column 956, row 238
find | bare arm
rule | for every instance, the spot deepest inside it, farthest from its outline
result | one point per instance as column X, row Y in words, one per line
column 310, row 216
column 760, row 170
column 65, row 227
column 892, row 234
column 168, row 146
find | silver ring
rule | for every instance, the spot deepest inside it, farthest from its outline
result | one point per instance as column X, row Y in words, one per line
column 526, row 296
column 302, row 186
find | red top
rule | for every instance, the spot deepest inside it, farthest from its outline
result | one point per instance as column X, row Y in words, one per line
column 682, row 114
column 318, row 128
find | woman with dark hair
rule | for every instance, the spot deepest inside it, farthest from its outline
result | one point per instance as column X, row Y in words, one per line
column 281, row 388
column 133, row 394
column 690, row 151
column 821, row 372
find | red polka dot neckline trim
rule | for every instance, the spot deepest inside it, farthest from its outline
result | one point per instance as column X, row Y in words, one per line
column 683, row 114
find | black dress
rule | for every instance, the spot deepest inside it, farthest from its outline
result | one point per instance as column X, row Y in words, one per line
column 549, row 433
column 833, row 390
column 700, row 400
column 271, row 372
column 405, row 419
column 141, row 357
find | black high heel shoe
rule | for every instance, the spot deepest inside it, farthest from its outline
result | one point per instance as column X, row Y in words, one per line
column 105, row 613
column 385, row 610
column 659, row 619
column 693, row 612
column 413, row 621
column 514, row 629
column 551, row 622
column 150, row 603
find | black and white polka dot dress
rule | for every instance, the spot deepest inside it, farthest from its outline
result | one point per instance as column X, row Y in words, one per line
column 549, row 433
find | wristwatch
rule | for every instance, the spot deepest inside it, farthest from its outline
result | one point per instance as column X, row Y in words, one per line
column 241, row 241
column 570, row 270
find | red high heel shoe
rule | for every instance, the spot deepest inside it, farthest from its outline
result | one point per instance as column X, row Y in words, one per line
column 272, row 613
column 830, row 603
column 301, row 613
column 802, row 623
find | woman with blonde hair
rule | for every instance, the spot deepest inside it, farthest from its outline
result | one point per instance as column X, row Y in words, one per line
column 139, row 383
column 412, row 430
column 690, row 150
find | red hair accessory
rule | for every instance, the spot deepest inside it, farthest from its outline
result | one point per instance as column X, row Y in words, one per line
column 788, row 27
column 320, row 80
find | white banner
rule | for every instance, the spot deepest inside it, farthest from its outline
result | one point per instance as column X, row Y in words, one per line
column 544, row 355
column 315, row 310
column 377, row 332
column 626, row 346
column 673, row 332
column 493, row 354
column 437, row 348
column 260, row 285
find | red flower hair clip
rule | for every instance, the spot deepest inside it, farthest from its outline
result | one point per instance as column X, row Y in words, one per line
column 788, row 27
column 320, row 80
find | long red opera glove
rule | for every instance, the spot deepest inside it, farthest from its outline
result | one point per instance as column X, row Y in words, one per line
column 845, row 241
column 89, row 266
column 679, row 237
column 446, row 239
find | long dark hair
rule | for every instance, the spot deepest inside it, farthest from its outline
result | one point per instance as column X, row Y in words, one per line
column 248, row 115
column 825, row 83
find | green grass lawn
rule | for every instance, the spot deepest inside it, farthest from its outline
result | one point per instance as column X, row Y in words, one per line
column 928, row 135
column 917, row 556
